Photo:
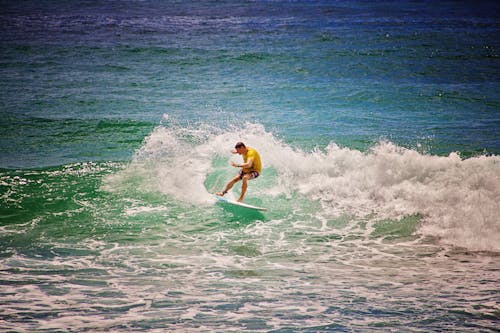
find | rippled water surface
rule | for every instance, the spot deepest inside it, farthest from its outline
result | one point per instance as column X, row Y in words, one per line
column 377, row 124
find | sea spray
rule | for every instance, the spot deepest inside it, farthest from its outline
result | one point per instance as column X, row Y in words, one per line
column 457, row 199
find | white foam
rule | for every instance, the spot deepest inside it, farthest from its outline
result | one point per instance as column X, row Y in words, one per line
column 132, row 211
column 458, row 199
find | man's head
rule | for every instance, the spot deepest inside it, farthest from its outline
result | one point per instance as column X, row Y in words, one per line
column 240, row 148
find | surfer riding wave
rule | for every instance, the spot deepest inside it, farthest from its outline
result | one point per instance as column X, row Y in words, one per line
column 250, row 168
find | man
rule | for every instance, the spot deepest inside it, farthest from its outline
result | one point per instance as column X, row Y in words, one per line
column 250, row 168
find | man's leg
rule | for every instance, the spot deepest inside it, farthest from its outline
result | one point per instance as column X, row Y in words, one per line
column 229, row 185
column 244, row 185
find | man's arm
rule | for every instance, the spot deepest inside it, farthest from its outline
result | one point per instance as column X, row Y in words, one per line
column 246, row 165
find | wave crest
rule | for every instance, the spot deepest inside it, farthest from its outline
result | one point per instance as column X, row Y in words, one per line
column 457, row 199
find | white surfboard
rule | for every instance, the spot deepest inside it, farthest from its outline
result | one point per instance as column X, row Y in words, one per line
column 236, row 203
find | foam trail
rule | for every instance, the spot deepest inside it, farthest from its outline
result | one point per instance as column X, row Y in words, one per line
column 458, row 199
column 174, row 166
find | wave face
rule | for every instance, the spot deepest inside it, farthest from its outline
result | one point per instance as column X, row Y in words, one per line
column 455, row 199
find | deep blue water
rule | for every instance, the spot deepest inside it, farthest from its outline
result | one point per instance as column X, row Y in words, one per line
column 378, row 123
column 313, row 73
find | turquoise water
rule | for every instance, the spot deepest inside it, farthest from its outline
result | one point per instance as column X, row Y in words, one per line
column 378, row 127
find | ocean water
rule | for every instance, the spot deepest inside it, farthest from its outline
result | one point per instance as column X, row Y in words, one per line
column 378, row 124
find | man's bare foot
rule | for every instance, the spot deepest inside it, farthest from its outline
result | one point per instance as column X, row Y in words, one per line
column 220, row 194
column 240, row 200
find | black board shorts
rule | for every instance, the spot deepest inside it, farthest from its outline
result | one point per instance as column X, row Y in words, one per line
column 253, row 174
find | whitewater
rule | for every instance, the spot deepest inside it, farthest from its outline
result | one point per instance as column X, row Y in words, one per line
column 456, row 200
